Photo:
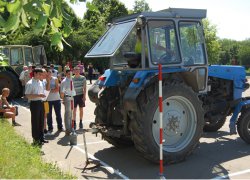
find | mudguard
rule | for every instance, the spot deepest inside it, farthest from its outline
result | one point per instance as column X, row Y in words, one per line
column 142, row 79
column 134, row 89
column 235, row 115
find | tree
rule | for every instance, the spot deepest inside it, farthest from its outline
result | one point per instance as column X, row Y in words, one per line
column 40, row 16
column 115, row 9
column 244, row 52
column 101, row 12
column 140, row 6
column 224, row 57
column 212, row 42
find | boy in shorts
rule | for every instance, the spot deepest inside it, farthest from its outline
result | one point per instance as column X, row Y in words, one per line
column 80, row 97
column 6, row 110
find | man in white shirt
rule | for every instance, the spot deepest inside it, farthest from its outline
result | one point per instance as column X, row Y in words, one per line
column 34, row 91
column 67, row 92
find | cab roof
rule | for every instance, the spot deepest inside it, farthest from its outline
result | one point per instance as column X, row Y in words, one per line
column 168, row 13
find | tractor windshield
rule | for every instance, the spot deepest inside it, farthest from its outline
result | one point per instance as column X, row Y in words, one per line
column 163, row 42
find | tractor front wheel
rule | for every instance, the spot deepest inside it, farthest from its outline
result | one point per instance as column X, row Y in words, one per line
column 243, row 125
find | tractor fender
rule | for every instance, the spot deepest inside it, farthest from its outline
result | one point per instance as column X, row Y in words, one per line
column 139, row 82
column 237, row 110
column 111, row 78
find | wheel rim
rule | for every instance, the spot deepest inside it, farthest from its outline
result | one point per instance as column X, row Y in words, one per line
column 179, row 123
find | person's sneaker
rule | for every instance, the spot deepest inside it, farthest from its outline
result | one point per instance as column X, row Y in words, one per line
column 60, row 129
column 49, row 132
column 14, row 123
column 44, row 141
column 80, row 125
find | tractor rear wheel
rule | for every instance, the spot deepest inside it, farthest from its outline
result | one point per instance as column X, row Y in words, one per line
column 183, row 121
column 9, row 80
column 243, row 125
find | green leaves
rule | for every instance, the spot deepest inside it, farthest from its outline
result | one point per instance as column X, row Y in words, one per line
column 43, row 16
column 12, row 23
column 46, row 8
column 56, row 40
column 14, row 7
column 91, row 7
column 24, row 18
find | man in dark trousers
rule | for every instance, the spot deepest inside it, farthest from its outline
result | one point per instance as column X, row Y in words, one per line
column 90, row 72
column 34, row 91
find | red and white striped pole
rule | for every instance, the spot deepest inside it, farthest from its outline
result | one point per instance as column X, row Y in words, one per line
column 72, row 102
column 160, row 120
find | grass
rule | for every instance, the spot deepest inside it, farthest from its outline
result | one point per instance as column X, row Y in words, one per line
column 20, row 160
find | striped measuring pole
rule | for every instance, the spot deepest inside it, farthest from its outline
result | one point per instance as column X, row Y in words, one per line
column 72, row 101
column 160, row 120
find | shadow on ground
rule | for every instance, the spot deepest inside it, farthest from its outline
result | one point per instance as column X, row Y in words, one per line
column 204, row 163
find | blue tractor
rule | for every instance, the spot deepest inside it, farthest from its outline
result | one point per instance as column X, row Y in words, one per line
column 196, row 96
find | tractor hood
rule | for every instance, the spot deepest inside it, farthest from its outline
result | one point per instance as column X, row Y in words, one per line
column 108, row 44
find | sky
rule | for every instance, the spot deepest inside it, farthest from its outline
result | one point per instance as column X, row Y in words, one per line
column 231, row 17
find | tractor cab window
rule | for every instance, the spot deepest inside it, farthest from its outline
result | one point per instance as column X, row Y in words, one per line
column 28, row 56
column 6, row 52
column 39, row 55
column 163, row 42
column 192, row 43
column 130, row 51
column 16, row 56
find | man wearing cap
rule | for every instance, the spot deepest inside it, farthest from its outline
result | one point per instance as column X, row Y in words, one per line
column 67, row 92
column 34, row 91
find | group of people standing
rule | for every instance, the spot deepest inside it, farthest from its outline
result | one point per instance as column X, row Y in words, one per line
column 89, row 70
column 45, row 93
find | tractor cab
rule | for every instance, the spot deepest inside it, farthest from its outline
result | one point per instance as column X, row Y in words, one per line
column 168, row 37
column 171, row 37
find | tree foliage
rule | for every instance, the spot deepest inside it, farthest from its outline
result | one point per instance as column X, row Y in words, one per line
column 140, row 6
column 212, row 43
column 229, row 51
column 244, row 52
column 40, row 15
column 101, row 12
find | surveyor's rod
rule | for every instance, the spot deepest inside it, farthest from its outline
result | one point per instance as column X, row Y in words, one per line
column 160, row 120
column 71, row 101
